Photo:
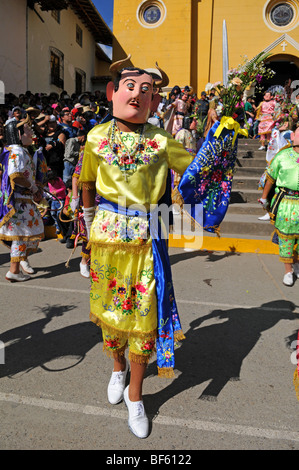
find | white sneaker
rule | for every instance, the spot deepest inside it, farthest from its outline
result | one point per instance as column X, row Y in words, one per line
column 84, row 270
column 265, row 217
column 288, row 279
column 262, row 147
column 116, row 386
column 26, row 267
column 296, row 269
column 138, row 421
column 20, row 277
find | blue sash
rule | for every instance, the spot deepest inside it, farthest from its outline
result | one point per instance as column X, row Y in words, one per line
column 169, row 326
column 7, row 209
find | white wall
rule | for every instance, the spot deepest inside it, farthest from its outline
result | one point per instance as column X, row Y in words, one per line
column 13, row 45
column 42, row 36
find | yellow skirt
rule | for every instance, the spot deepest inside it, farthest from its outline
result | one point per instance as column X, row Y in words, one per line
column 123, row 289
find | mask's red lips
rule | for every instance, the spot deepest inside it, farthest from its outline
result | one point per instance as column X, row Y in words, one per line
column 135, row 105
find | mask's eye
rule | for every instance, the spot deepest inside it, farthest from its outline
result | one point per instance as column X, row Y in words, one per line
column 145, row 88
column 130, row 85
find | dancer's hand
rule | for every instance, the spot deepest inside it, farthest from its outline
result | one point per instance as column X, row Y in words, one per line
column 264, row 203
column 74, row 203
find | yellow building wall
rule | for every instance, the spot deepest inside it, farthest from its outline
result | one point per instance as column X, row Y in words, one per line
column 248, row 34
column 188, row 44
column 168, row 44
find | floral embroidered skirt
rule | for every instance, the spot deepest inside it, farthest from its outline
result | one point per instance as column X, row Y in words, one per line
column 287, row 218
column 123, row 289
column 24, row 224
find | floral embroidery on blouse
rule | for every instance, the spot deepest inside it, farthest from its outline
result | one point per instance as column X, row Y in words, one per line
column 145, row 155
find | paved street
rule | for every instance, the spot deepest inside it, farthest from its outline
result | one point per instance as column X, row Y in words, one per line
column 234, row 375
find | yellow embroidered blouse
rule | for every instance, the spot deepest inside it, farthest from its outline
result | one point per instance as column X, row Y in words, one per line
column 146, row 180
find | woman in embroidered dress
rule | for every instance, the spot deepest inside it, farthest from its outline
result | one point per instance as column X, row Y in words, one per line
column 284, row 211
column 126, row 162
column 267, row 110
column 21, row 226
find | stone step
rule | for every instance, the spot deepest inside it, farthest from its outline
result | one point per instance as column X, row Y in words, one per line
column 246, row 225
column 250, row 162
column 250, row 196
column 242, row 183
column 246, row 208
column 249, row 171
column 252, row 143
column 251, row 149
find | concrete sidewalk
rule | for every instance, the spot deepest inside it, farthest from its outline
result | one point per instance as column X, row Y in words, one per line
column 234, row 372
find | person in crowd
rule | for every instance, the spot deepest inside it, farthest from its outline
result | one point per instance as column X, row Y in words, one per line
column 250, row 110
column 17, row 113
column 71, row 154
column 212, row 117
column 66, row 222
column 266, row 124
column 57, row 190
column 76, row 206
column 201, row 107
column 21, row 226
column 54, row 145
column 283, row 172
column 66, row 123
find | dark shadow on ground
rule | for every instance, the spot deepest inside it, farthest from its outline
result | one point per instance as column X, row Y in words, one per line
column 215, row 352
column 28, row 347
column 211, row 256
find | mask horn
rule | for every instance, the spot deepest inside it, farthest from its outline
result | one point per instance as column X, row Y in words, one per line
column 164, row 81
column 116, row 66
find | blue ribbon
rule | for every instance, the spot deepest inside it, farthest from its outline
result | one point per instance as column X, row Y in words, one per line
column 168, row 317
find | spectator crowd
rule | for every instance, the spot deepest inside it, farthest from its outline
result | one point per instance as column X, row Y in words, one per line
column 60, row 124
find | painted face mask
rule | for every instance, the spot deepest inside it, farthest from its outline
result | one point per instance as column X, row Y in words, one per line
column 133, row 98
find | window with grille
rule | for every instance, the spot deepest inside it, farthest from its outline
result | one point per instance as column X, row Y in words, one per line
column 80, row 81
column 56, row 15
column 79, row 35
column 57, row 69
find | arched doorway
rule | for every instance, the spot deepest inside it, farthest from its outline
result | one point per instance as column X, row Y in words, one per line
column 286, row 67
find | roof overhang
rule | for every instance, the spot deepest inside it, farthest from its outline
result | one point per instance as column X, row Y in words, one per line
column 91, row 18
column 87, row 13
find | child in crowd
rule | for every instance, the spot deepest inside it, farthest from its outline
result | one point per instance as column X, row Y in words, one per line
column 58, row 191
column 66, row 216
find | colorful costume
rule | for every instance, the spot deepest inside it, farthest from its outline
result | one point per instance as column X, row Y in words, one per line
column 180, row 110
column 266, row 117
column 127, row 293
column 21, row 224
column 284, row 212
column 80, row 230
